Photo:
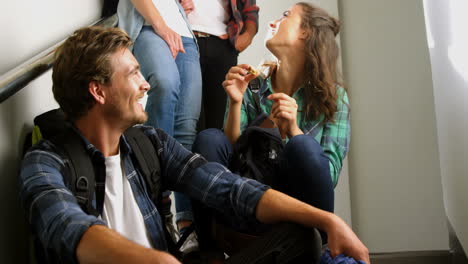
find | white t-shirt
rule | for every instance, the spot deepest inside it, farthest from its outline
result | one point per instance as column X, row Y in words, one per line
column 121, row 212
column 210, row 16
column 170, row 12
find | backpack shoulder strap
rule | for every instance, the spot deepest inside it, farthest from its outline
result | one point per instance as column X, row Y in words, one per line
column 255, row 86
column 148, row 160
column 79, row 173
column 150, row 166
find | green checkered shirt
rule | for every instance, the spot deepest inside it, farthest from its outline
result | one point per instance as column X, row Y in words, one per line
column 333, row 136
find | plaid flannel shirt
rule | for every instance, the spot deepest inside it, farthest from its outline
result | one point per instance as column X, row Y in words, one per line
column 59, row 222
column 243, row 11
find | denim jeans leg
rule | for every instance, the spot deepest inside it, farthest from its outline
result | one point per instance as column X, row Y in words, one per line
column 187, row 112
column 213, row 145
column 174, row 99
column 183, row 207
column 305, row 173
column 161, row 71
column 188, row 107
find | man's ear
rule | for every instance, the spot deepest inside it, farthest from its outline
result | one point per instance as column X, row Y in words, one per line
column 96, row 90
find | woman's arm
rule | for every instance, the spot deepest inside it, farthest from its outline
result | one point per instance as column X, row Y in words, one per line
column 336, row 136
column 235, row 86
column 232, row 124
column 151, row 14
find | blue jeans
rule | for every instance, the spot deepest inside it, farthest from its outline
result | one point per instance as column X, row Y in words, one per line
column 174, row 100
column 304, row 169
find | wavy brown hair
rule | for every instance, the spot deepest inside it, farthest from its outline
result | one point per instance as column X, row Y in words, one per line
column 321, row 51
column 82, row 58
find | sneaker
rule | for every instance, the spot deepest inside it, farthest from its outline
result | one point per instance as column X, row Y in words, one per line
column 190, row 244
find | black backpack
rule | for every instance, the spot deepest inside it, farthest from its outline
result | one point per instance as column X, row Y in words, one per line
column 256, row 152
column 80, row 179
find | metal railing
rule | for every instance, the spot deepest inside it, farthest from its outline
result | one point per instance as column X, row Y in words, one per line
column 16, row 79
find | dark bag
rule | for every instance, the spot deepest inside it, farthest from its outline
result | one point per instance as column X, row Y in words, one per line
column 109, row 7
column 80, row 175
column 257, row 150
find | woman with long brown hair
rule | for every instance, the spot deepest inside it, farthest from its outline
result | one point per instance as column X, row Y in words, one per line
column 303, row 97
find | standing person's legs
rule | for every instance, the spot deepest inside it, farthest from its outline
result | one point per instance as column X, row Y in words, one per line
column 186, row 117
column 187, row 111
column 161, row 71
column 217, row 56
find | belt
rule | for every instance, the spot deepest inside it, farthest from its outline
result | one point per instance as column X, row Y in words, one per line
column 201, row 34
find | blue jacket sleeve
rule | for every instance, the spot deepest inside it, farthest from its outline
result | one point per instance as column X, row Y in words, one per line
column 209, row 182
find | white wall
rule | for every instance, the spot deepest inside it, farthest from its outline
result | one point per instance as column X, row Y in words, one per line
column 448, row 41
column 28, row 27
column 395, row 180
column 269, row 11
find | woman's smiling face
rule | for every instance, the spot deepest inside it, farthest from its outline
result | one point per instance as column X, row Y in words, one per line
column 286, row 31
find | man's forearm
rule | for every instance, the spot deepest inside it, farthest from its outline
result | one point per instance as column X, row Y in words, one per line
column 275, row 207
column 250, row 27
column 100, row 244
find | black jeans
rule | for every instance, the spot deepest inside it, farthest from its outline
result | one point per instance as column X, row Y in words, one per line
column 217, row 56
column 283, row 244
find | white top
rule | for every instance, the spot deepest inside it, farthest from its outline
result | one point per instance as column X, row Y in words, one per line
column 210, row 16
column 121, row 212
column 170, row 12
